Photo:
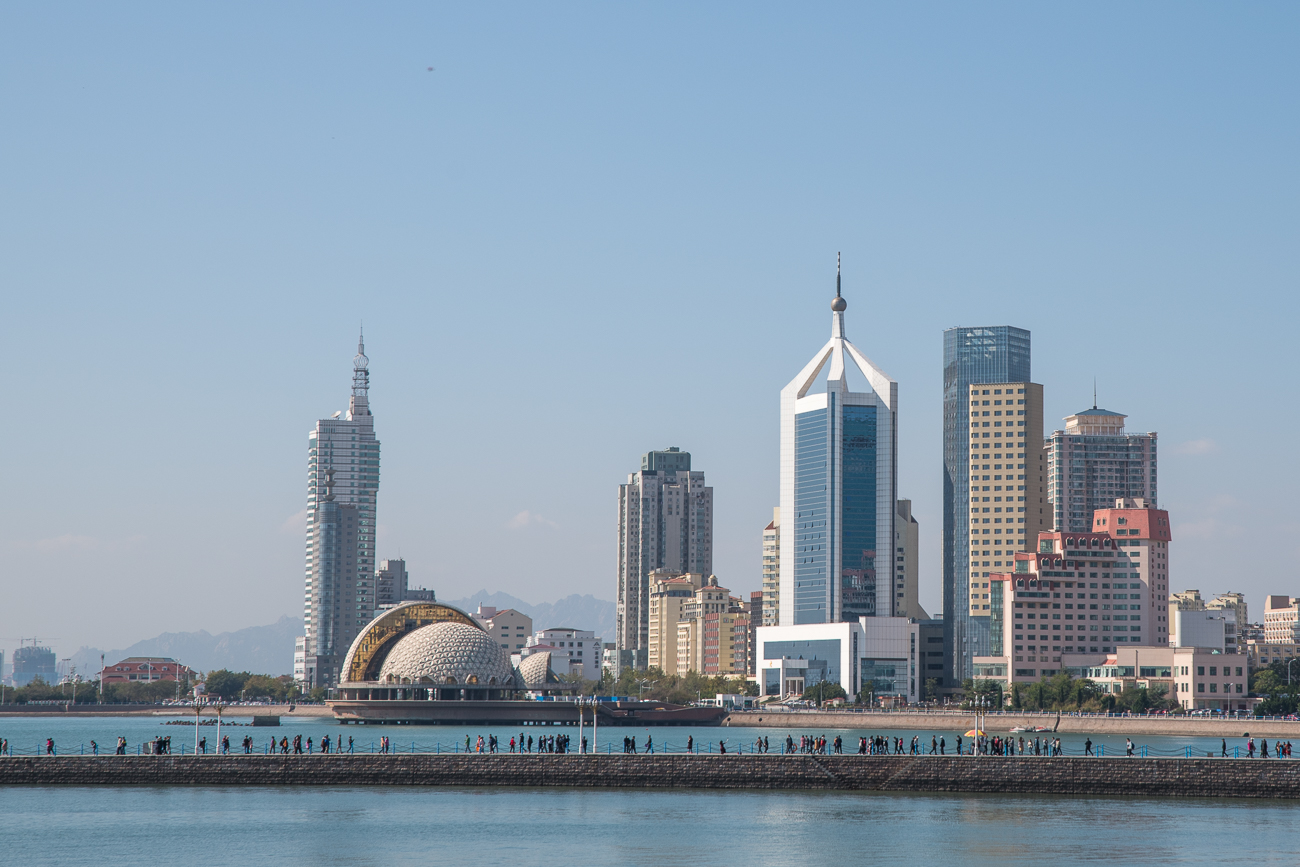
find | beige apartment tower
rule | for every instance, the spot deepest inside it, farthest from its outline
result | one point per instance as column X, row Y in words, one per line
column 907, row 537
column 772, row 570
column 1008, row 481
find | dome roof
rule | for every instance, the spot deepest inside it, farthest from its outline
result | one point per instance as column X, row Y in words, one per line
column 535, row 670
column 448, row 653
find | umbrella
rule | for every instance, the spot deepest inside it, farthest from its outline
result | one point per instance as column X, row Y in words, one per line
column 974, row 733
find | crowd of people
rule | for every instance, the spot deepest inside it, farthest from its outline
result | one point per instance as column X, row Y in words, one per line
column 561, row 744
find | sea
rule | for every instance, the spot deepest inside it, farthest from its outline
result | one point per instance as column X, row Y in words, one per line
column 400, row 825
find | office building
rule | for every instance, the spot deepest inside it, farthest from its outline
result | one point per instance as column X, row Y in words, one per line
column 839, row 492
column 983, row 356
column 877, row 654
column 665, row 521
column 1092, row 463
column 1261, row 654
column 391, row 583
column 507, row 627
column 1080, row 596
column 1006, row 481
column 342, row 481
column 1281, row 620
column 575, row 652
column 32, row 662
column 907, row 547
column 772, row 570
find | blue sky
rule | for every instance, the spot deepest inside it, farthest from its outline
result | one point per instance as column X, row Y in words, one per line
column 593, row 230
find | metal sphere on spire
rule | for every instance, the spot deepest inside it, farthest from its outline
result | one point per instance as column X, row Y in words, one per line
column 839, row 304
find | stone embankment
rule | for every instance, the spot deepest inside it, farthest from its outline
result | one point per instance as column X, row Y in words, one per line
column 820, row 721
column 1215, row 778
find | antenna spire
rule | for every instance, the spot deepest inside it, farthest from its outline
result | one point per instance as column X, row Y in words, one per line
column 838, row 304
column 837, row 274
column 1094, row 392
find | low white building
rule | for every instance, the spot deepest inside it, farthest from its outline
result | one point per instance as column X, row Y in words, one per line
column 573, row 651
column 878, row 652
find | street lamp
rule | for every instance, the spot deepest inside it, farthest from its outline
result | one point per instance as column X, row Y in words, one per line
column 198, row 704
column 1288, row 669
column 219, row 706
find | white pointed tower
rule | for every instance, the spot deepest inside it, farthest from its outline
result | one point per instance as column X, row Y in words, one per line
column 839, row 468
column 342, row 486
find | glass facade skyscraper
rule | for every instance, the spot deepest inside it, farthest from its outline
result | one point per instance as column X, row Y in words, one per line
column 838, row 489
column 996, row 354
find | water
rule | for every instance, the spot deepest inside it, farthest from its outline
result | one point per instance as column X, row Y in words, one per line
column 73, row 734
column 107, row 827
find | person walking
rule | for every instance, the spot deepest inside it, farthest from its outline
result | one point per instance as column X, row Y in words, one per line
column 349, row 744
column 1087, row 748
column 1128, row 747
column 1223, row 751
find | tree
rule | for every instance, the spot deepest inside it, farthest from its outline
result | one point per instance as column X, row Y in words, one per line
column 226, row 684
column 825, row 690
column 932, row 685
column 1266, row 682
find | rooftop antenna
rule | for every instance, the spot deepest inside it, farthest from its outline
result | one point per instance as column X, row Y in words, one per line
column 1094, row 392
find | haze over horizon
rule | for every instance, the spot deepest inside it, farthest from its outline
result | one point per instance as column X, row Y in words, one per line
column 577, row 234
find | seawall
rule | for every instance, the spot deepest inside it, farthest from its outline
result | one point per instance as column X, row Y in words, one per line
column 819, row 721
column 1213, row 778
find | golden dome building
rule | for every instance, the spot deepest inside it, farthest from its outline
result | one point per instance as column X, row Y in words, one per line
column 430, row 662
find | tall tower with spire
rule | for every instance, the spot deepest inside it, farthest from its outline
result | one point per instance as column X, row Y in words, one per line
column 839, row 489
column 342, row 483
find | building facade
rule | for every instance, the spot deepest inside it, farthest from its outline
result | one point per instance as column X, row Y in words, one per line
column 507, row 627
column 145, row 669
column 1281, row 619
column 879, row 654
column 839, row 493
column 907, row 548
column 32, row 661
column 772, row 570
column 342, row 483
column 971, row 355
column 670, row 592
column 665, row 521
column 576, row 652
column 1080, row 596
column 1092, row 463
column 1007, row 511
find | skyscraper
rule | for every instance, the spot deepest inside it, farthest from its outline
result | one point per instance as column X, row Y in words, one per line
column 1092, row 463
column 342, row 480
column 1007, row 508
column 970, row 355
column 665, row 521
column 839, row 466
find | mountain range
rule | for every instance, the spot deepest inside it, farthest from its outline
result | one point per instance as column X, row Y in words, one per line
column 269, row 649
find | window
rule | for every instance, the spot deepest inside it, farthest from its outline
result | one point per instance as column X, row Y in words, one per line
column 1200, row 687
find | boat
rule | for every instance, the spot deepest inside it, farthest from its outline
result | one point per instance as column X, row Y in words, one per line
column 1020, row 729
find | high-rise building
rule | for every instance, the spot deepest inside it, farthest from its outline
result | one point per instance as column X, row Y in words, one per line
column 1007, row 511
column 772, row 570
column 665, row 521
column 1281, row 621
column 839, row 489
column 907, row 546
column 997, row 354
column 1107, row 589
column 754, row 612
column 342, row 480
column 1092, row 463
column 391, row 582
column 669, row 592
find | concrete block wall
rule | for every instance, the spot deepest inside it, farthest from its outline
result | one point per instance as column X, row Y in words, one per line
column 1258, row 778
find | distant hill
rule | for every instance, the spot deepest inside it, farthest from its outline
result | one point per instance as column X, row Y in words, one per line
column 259, row 649
column 269, row 649
column 579, row 612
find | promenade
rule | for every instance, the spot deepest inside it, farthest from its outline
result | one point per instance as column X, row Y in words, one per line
column 1183, row 778
column 1001, row 723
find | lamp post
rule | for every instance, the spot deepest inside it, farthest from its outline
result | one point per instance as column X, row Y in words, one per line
column 101, row 678
column 595, row 717
column 219, row 706
column 198, row 704
column 1288, row 669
